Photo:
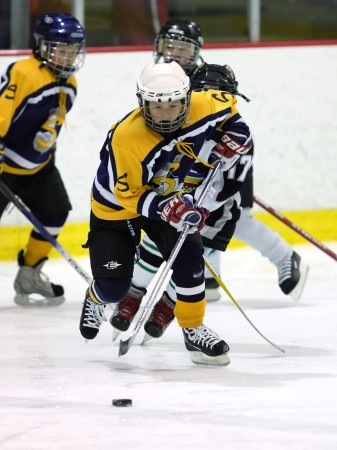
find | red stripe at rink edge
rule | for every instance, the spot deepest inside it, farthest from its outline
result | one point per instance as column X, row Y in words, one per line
column 219, row 45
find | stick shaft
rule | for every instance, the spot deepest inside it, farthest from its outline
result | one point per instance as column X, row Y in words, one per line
column 4, row 189
column 295, row 227
column 125, row 345
column 222, row 284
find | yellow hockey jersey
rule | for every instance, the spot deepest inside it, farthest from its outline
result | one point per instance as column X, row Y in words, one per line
column 33, row 105
column 140, row 167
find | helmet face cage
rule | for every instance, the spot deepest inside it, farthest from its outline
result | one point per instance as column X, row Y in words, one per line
column 167, row 83
column 213, row 76
column 62, row 59
column 165, row 126
column 184, row 51
column 60, row 43
column 180, row 41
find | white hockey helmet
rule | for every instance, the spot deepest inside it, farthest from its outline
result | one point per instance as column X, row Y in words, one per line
column 164, row 82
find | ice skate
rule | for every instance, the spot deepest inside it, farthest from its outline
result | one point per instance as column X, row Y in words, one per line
column 91, row 318
column 160, row 318
column 212, row 290
column 292, row 276
column 205, row 347
column 126, row 310
column 33, row 287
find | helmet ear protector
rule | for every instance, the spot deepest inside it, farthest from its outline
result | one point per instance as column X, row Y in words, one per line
column 60, row 43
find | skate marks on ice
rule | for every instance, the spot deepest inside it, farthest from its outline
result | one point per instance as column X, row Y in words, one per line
column 56, row 390
column 164, row 362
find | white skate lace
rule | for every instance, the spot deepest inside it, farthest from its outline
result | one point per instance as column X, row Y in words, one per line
column 202, row 335
column 94, row 315
column 285, row 271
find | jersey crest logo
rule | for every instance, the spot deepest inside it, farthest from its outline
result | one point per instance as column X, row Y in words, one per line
column 186, row 148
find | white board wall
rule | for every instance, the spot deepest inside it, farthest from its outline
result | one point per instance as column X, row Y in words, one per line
column 293, row 115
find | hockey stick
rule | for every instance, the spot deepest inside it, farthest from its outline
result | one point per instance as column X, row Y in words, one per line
column 124, row 346
column 222, row 284
column 4, row 189
column 295, row 227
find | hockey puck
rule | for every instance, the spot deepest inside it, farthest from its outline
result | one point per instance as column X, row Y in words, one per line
column 121, row 402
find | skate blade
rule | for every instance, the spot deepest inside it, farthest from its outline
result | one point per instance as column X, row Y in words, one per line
column 146, row 338
column 296, row 293
column 37, row 301
column 201, row 359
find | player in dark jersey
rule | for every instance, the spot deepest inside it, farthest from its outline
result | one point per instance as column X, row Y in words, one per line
column 144, row 162
column 36, row 93
column 181, row 41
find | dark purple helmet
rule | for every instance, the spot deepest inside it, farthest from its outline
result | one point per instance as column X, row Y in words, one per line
column 179, row 40
column 60, row 43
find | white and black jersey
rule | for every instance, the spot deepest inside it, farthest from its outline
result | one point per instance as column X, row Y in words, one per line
column 223, row 199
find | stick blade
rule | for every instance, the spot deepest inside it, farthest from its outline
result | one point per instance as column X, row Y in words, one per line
column 124, row 347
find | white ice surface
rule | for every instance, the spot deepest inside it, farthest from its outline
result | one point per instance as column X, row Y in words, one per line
column 56, row 390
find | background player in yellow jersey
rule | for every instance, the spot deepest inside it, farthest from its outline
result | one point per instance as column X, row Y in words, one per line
column 35, row 95
column 144, row 162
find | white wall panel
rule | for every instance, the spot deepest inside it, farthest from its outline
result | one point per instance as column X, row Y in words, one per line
column 293, row 114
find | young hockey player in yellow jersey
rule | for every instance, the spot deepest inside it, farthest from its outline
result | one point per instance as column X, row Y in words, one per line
column 35, row 95
column 181, row 40
column 223, row 204
column 144, row 162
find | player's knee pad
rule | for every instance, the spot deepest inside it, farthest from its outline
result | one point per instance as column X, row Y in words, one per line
column 110, row 290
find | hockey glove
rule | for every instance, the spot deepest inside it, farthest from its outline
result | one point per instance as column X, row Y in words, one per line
column 179, row 211
column 228, row 151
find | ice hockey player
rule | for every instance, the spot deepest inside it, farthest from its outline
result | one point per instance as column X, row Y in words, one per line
column 181, row 40
column 223, row 204
column 35, row 95
column 144, row 162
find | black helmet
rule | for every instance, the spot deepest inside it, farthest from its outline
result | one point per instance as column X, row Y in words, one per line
column 59, row 31
column 213, row 76
column 179, row 40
